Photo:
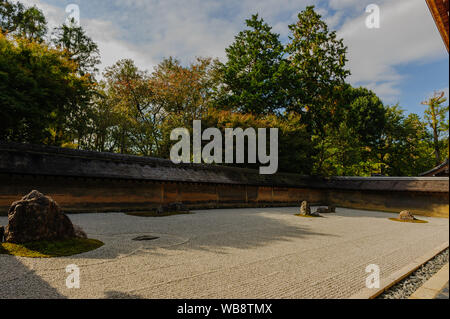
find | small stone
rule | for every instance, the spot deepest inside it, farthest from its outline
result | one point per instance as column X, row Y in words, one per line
column 406, row 215
column 326, row 210
column 322, row 210
column 79, row 232
column 160, row 209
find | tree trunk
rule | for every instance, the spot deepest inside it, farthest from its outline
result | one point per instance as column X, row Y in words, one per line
column 436, row 145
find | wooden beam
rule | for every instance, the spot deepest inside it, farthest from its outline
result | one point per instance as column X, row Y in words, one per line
column 440, row 12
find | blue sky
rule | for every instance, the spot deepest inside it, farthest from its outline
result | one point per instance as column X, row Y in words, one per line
column 403, row 61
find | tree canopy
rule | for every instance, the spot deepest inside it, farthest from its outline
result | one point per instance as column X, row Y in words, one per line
column 16, row 19
column 37, row 84
column 51, row 93
column 256, row 74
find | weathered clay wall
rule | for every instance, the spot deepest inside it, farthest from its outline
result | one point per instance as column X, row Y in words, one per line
column 90, row 182
column 421, row 203
column 99, row 194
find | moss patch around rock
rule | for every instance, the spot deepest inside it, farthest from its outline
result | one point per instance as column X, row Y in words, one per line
column 417, row 221
column 48, row 249
column 307, row 216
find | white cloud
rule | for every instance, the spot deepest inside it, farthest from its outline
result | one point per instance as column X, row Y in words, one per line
column 106, row 36
column 407, row 34
column 343, row 4
column 388, row 91
column 147, row 30
column 193, row 28
column 104, row 33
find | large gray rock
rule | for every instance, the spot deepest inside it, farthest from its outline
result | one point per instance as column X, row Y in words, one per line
column 37, row 217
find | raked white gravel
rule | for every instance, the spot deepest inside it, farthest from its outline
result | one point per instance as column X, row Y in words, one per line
column 227, row 253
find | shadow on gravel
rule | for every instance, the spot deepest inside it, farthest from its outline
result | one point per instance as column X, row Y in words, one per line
column 18, row 282
column 212, row 230
column 247, row 229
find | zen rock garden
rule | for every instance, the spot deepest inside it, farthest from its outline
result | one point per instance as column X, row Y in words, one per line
column 163, row 252
column 37, row 218
column 214, row 253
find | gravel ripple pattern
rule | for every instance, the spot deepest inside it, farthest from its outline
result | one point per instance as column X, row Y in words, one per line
column 227, row 254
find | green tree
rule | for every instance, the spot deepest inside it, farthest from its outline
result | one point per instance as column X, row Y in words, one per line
column 346, row 145
column 318, row 58
column 16, row 19
column 72, row 40
column 106, row 123
column 436, row 116
column 256, row 74
column 405, row 148
column 292, row 135
column 78, row 46
column 343, row 154
column 364, row 114
column 37, row 85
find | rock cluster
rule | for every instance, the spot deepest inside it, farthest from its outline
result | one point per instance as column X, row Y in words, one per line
column 305, row 210
column 37, row 217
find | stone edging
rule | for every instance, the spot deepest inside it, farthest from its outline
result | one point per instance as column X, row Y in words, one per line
column 399, row 275
column 432, row 287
